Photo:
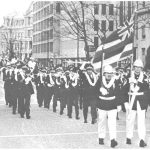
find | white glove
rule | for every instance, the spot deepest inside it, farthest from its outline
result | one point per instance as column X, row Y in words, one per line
column 126, row 105
column 118, row 108
column 48, row 85
column 132, row 80
column 103, row 91
column 136, row 88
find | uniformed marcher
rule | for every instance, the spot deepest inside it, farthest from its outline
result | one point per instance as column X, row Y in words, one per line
column 107, row 104
column 57, row 87
column 13, row 92
column 138, row 103
column 89, row 79
column 6, row 80
column 73, row 99
column 49, row 83
column 40, row 88
column 27, row 89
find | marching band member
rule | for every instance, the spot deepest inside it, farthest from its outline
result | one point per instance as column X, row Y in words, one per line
column 89, row 79
column 14, row 91
column 40, row 88
column 57, row 87
column 27, row 89
column 107, row 104
column 63, row 92
column 73, row 99
column 49, row 83
column 7, row 88
column 138, row 103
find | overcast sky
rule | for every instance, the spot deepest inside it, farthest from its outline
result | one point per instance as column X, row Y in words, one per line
column 8, row 7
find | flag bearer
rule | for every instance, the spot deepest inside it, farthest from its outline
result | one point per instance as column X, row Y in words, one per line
column 138, row 103
column 107, row 104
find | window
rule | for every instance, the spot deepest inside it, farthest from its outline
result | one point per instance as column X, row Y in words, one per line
column 111, row 25
column 96, row 9
column 143, row 51
column 51, row 46
column 143, row 32
column 103, row 9
column 30, row 44
column 96, row 42
column 29, row 33
column 143, row 4
column 111, row 9
column 103, row 25
column 96, row 23
column 29, row 20
column 51, row 21
column 51, row 34
column 51, row 8
column 57, row 7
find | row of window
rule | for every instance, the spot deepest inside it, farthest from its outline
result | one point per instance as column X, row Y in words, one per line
column 43, row 36
column 46, row 47
column 103, row 9
column 43, row 13
column 43, row 24
column 37, row 5
column 14, row 22
column 103, row 25
column 143, row 35
column 28, row 45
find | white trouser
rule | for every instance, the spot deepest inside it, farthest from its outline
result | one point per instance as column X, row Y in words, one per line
column 130, row 119
column 112, row 114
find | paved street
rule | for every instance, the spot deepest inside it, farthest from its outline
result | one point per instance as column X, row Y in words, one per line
column 50, row 130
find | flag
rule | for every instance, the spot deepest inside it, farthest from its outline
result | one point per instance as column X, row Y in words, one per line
column 117, row 46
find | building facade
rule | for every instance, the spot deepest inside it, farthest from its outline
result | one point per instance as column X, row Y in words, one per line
column 28, row 18
column 49, row 46
column 142, row 30
column 12, row 35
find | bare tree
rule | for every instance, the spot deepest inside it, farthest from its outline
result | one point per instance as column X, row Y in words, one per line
column 77, row 19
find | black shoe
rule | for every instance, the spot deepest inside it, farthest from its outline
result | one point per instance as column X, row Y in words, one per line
column 22, row 116
column 61, row 113
column 128, row 141
column 101, row 141
column 142, row 143
column 54, row 110
column 14, row 113
column 70, row 116
column 85, row 121
column 93, row 122
column 77, row 118
column 28, row 117
column 113, row 143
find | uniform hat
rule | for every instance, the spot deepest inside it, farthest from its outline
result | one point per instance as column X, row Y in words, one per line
column 108, row 69
column 138, row 63
column 89, row 66
column 44, row 70
column 70, row 66
column 52, row 70
column 59, row 69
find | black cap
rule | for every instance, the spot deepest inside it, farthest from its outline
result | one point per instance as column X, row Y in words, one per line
column 89, row 66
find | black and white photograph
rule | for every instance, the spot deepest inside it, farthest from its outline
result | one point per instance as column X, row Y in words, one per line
column 74, row 74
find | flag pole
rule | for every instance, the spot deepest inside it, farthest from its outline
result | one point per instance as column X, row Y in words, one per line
column 102, row 62
column 133, row 46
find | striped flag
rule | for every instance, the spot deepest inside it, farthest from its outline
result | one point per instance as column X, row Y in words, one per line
column 116, row 47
